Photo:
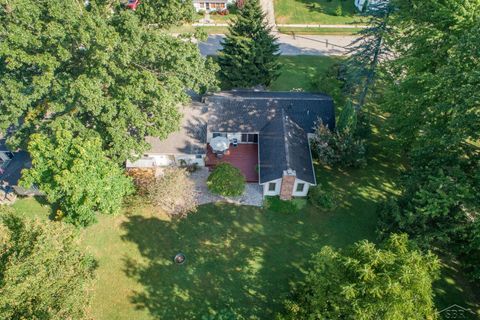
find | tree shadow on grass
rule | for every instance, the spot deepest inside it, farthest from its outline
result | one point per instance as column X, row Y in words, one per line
column 239, row 258
column 225, row 257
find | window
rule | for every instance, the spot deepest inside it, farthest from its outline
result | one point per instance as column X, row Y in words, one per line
column 249, row 138
column 198, row 156
column 272, row 186
column 300, row 187
column 202, row 4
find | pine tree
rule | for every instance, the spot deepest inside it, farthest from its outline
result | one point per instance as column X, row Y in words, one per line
column 250, row 53
column 368, row 51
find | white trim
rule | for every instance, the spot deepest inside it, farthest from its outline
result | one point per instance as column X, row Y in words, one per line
column 311, row 160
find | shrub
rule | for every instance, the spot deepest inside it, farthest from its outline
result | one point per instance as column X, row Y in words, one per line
column 173, row 192
column 341, row 146
column 339, row 10
column 321, row 198
column 226, row 180
column 334, row 147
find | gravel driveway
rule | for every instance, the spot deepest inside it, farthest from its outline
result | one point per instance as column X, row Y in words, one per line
column 252, row 195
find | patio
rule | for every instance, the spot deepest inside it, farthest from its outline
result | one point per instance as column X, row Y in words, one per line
column 243, row 157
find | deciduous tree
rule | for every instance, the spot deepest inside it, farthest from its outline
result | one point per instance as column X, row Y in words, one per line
column 392, row 282
column 69, row 165
column 44, row 274
column 107, row 69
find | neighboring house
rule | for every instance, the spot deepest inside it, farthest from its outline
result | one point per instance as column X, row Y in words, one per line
column 268, row 134
column 11, row 166
column 363, row 5
column 213, row 5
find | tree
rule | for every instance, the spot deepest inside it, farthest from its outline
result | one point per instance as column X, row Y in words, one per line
column 166, row 13
column 226, row 180
column 431, row 97
column 110, row 71
column 368, row 50
column 43, row 272
column 68, row 164
column 392, row 281
column 174, row 192
column 249, row 56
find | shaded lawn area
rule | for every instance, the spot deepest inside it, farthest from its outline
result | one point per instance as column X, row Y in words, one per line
column 300, row 72
column 316, row 12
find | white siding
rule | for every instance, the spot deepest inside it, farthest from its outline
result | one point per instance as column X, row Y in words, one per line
column 305, row 188
column 162, row 160
column 278, row 183
column 190, row 159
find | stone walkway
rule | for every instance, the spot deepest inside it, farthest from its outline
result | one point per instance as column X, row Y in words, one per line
column 252, row 195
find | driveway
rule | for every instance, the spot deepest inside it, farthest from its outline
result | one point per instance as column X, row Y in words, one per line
column 252, row 196
column 317, row 45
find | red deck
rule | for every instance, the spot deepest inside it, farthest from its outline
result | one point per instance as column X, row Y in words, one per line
column 243, row 157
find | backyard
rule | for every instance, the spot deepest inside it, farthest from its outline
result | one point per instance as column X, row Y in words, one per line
column 240, row 258
column 316, row 12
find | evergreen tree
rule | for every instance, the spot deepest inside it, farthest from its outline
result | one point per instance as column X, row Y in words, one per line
column 250, row 53
column 368, row 51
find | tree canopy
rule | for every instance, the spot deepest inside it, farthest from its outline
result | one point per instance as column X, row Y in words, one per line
column 249, row 56
column 391, row 281
column 432, row 99
column 106, row 68
column 69, row 165
column 43, row 272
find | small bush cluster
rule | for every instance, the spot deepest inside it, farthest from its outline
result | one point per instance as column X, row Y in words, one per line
column 341, row 146
column 321, row 198
column 226, row 180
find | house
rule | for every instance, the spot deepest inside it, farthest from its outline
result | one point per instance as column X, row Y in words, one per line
column 363, row 5
column 266, row 133
column 11, row 166
column 211, row 5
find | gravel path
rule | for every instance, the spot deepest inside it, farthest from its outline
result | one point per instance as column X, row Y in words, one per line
column 252, row 195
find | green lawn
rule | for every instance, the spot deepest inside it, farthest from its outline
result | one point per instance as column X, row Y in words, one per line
column 240, row 257
column 299, row 72
column 316, row 12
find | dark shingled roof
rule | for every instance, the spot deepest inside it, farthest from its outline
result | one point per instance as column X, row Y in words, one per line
column 192, row 136
column 250, row 111
column 283, row 145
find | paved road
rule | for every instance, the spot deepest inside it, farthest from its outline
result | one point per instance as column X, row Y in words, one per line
column 313, row 45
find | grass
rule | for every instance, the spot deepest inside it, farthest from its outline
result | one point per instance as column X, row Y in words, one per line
column 300, row 72
column 319, row 31
column 315, row 12
column 239, row 257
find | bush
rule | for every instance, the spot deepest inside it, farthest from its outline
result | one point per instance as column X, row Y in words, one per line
column 226, row 180
column 320, row 198
column 173, row 192
column 341, row 146
column 336, row 148
column 339, row 10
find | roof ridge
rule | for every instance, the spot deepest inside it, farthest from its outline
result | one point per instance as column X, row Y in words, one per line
column 287, row 149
